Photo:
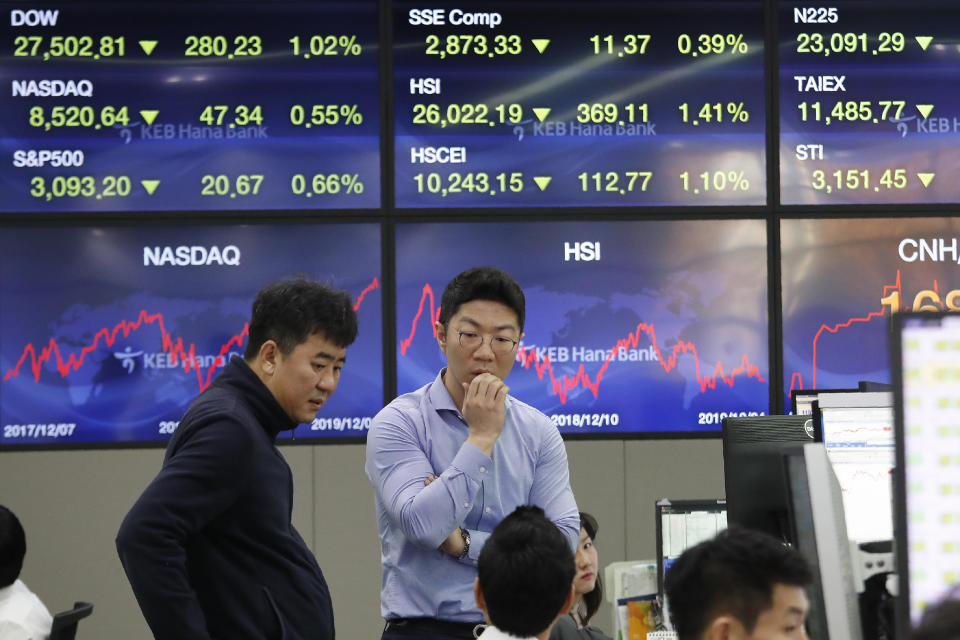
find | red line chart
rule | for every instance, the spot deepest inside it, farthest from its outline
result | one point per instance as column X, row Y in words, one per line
column 434, row 316
column 562, row 385
column 374, row 284
column 796, row 379
column 871, row 476
column 859, row 431
column 175, row 346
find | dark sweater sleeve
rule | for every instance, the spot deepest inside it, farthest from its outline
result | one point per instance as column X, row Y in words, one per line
column 197, row 483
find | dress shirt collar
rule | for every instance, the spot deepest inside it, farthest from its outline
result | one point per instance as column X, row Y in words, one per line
column 440, row 398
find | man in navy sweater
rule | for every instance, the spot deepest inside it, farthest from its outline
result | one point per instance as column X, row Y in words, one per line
column 209, row 547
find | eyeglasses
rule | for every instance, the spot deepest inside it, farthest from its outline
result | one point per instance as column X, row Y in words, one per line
column 500, row 345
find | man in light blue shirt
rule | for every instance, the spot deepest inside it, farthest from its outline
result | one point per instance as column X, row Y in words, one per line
column 449, row 461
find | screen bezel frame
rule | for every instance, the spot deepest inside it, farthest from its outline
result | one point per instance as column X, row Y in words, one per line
column 815, row 393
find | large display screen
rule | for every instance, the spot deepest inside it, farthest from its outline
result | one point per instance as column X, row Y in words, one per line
column 928, row 443
column 544, row 103
column 108, row 333
column 868, row 113
column 631, row 327
column 843, row 278
column 648, row 128
column 121, row 106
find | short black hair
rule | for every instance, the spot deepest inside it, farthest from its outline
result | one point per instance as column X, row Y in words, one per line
column 733, row 574
column 13, row 547
column 591, row 601
column 290, row 311
column 482, row 283
column 940, row 621
column 525, row 570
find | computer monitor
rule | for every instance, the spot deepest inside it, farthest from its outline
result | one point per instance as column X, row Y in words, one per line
column 802, row 400
column 753, row 470
column 926, row 373
column 819, row 532
column 682, row 524
column 857, row 430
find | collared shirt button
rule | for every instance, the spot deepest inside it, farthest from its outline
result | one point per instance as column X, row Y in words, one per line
column 483, row 469
column 487, row 510
column 466, row 504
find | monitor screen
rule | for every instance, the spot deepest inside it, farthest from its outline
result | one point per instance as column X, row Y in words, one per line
column 842, row 279
column 631, row 327
column 927, row 347
column 190, row 106
column 108, row 333
column 546, row 103
column 857, row 431
column 803, row 402
column 683, row 523
column 819, row 533
column 753, row 471
column 867, row 113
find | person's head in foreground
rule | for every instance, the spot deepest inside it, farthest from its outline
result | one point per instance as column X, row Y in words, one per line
column 13, row 547
column 299, row 334
column 525, row 574
column 940, row 621
column 742, row 584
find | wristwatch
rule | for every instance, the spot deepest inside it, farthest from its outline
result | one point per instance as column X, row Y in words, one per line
column 466, row 543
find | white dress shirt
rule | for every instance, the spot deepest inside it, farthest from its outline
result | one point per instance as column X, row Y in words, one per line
column 492, row 633
column 22, row 615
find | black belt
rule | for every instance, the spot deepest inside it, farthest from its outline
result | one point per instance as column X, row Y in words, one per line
column 433, row 625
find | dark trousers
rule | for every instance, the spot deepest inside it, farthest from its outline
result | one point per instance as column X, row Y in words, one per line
column 425, row 629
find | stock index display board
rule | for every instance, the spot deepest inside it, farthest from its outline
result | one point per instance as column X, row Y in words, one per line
column 842, row 280
column 111, row 341
column 659, row 117
column 120, row 106
column 207, row 106
column 633, row 327
column 868, row 107
column 543, row 103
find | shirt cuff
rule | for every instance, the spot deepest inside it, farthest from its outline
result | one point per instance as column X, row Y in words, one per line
column 477, row 540
column 473, row 463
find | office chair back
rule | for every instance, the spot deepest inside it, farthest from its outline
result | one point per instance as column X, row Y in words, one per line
column 65, row 623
